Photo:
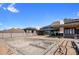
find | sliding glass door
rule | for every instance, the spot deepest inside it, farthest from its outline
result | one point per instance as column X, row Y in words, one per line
column 69, row 31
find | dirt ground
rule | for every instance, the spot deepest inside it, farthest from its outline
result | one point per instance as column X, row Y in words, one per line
column 32, row 45
column 5, row 49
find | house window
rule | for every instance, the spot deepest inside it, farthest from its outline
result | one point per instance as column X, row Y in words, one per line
column 73, row 31
column 69, row 31
column 66, row 31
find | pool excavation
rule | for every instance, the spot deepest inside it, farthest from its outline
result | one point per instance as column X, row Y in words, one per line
column 37, row 46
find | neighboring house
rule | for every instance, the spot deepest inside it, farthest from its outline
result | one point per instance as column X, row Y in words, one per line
column 51, row 30
column 71, row 28
column 30, row 30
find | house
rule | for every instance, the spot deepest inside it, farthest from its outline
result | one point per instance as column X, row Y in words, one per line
column 71, row 28
column 68, row 28
column 30, row 30
column 51, row 30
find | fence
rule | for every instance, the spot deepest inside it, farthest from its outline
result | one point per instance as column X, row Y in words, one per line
column 14, row 35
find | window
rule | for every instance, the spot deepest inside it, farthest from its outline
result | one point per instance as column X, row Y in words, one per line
column 69, row 31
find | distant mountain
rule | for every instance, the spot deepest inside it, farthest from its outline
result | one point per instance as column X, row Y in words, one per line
column 13, row 30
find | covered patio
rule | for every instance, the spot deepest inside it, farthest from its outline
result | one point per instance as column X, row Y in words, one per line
column 71, row 30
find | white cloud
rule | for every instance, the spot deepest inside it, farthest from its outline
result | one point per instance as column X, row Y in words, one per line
column 4, row 8
column 61, row 22
column 11, row 8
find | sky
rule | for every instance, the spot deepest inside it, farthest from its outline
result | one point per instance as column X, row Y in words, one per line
column 22, row 15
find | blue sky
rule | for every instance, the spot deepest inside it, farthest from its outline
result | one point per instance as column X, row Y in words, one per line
column 24, row 15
